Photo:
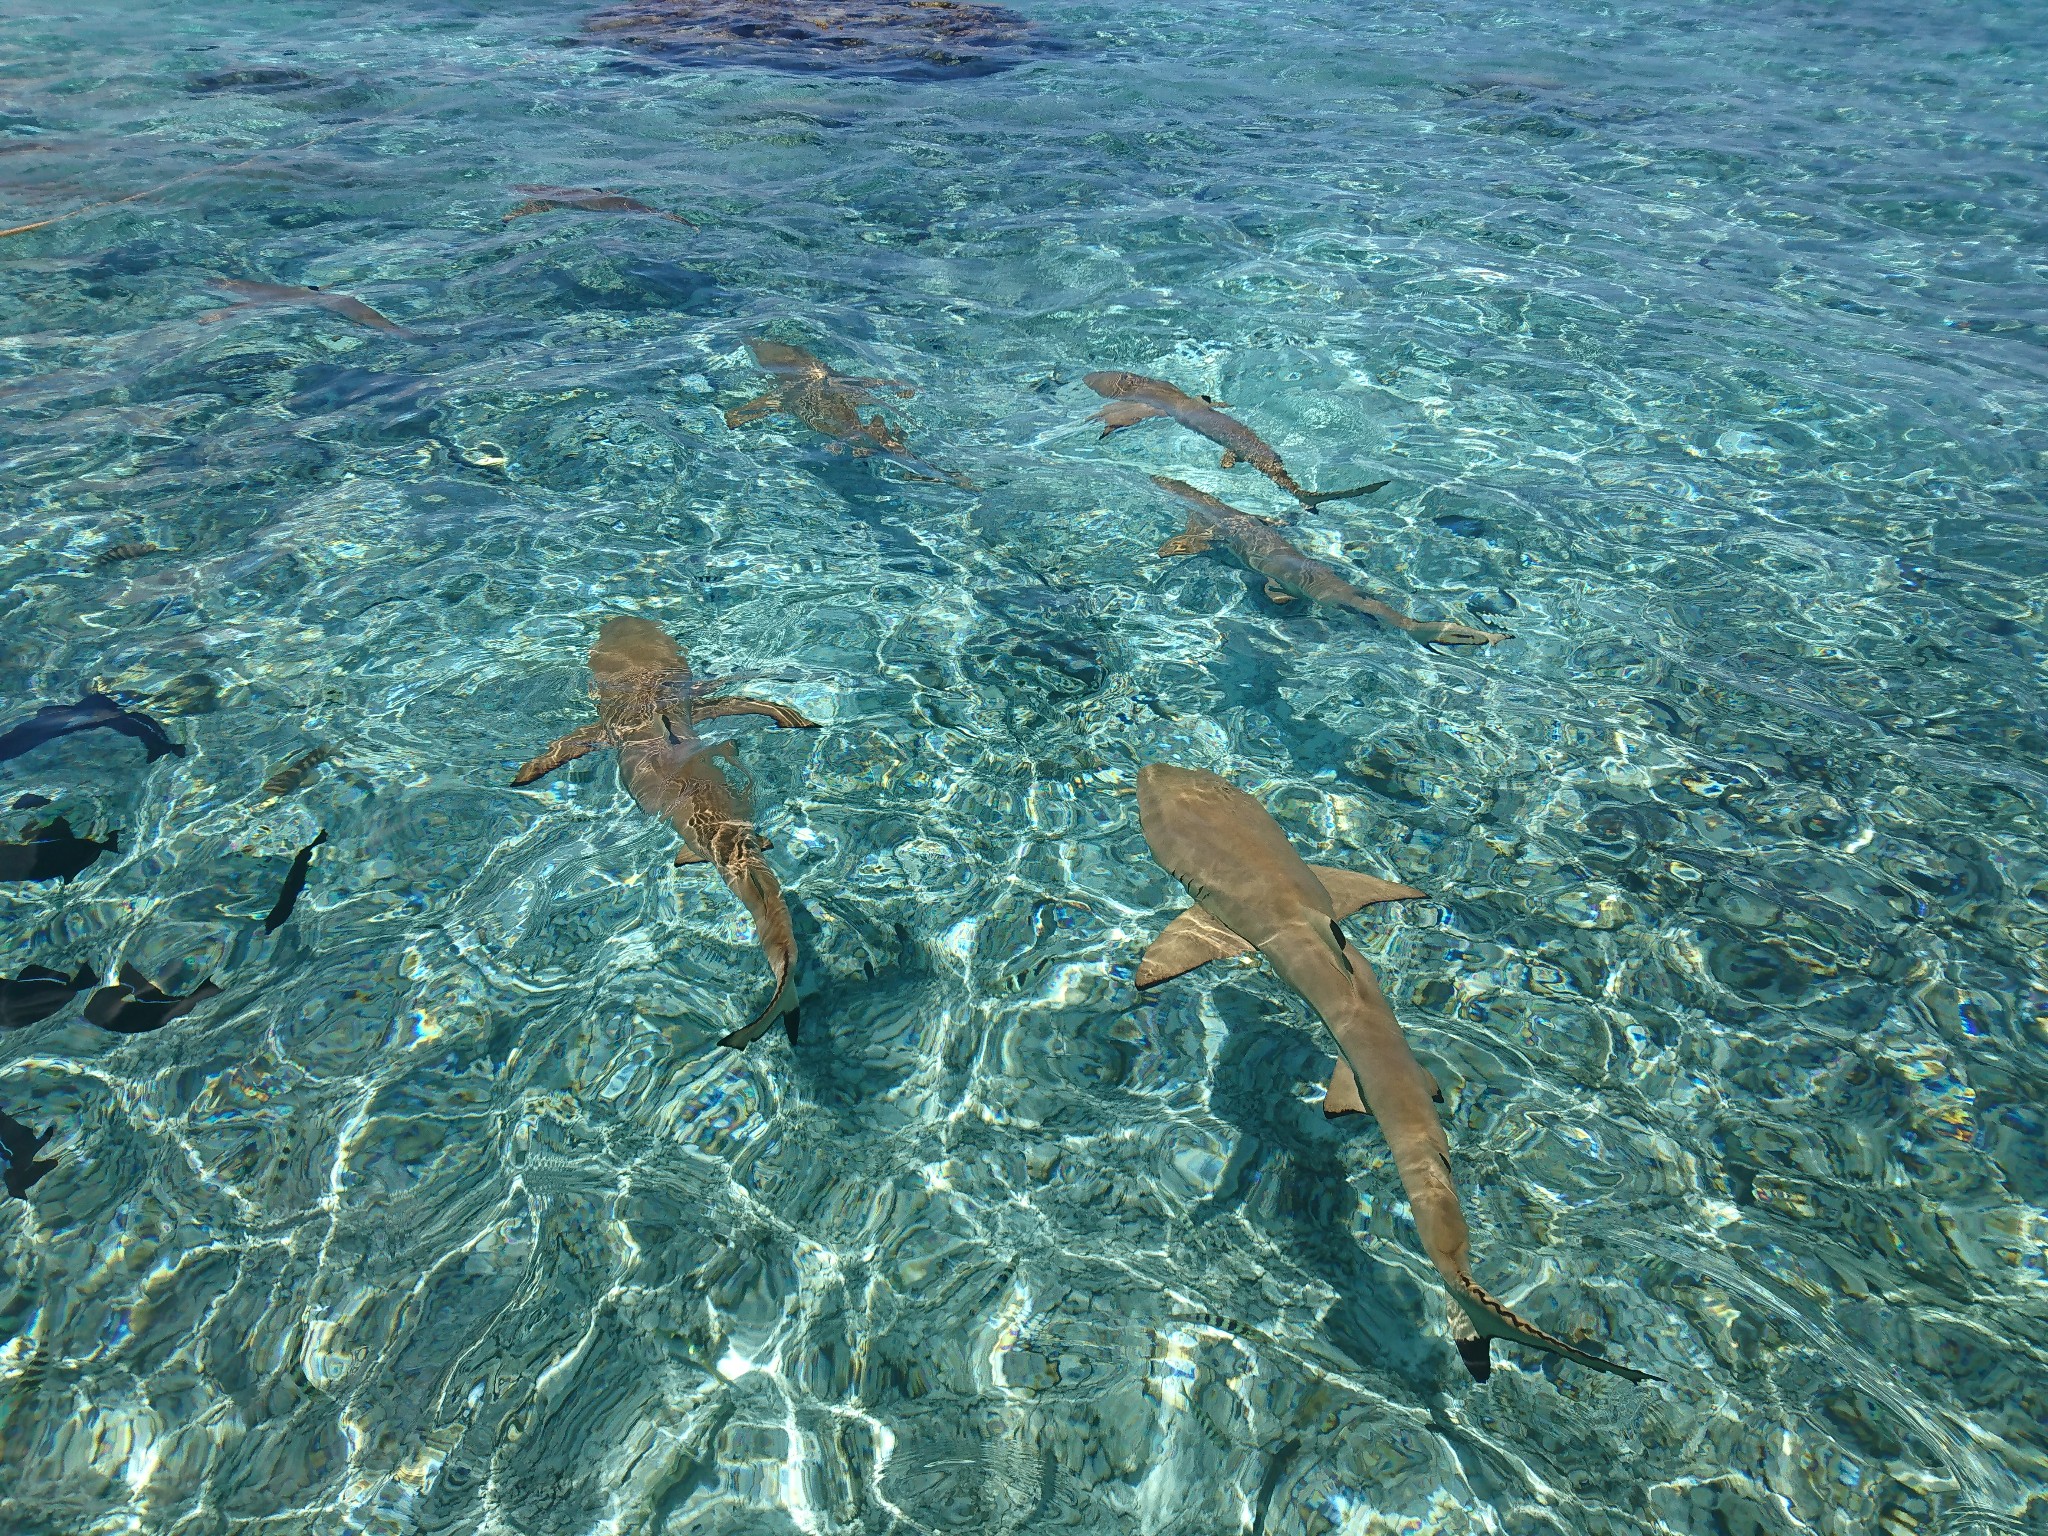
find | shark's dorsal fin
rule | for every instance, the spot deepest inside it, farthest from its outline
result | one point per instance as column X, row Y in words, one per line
column 1342, row 1096
column 1350, row 891
column 1194, row 938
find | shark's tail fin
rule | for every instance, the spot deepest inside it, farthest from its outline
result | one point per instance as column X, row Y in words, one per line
column 1490, row 1319
column 741, row 1038
column 1314, row 499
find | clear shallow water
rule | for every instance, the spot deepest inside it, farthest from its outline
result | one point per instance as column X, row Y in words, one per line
column 1712, row 337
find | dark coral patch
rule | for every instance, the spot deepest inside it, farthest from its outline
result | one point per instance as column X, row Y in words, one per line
column 907, row 39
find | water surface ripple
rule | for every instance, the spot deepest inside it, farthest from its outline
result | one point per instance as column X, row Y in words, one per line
column 1706, row 350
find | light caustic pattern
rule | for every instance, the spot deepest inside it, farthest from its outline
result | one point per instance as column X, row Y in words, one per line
column 1703, row 350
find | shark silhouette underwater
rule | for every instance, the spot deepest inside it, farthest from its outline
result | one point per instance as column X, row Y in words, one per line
column 1253, row 891
column 256, row 295
column 1134, row 398
column 648, row 708
column 831, row 403
column 1289, row 573
column 93, row 712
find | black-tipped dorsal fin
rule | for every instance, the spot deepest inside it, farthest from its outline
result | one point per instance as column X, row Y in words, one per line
column 1349, row 891
column 1194, row 938
column 1492, row 1319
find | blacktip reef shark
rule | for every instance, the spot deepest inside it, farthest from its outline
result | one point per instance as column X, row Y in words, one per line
column 830, row 403
column 648, row 708
column 585, row 200
column 1134, row 398
column 255, row 295
column 1291, row 574
column 1252, row 891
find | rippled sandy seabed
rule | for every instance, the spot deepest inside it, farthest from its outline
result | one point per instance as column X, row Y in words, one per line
column 1712, row 336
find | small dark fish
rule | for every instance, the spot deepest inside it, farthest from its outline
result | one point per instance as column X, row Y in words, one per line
column 119, row 552
column 52, row 852
column 1501, row 601
column 137, row 1005
column 37, row 993
column 1463, row 526
column 21, row 1146
column 93, row 712
column 297, row 771
column 1270, row 1483
column 294, row 882
column 30, row 802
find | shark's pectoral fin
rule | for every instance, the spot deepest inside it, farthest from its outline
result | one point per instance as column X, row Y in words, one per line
column 1230, row 458
column 686, row 856
column 1275, row 593
column 1194, row 938
column 739, row 704
column 1342, row 1096
column 1485, row 1318
column 1350, row 891
column 1119, row 414
column 563, row 749
column 754, row 410
column 1183, row 544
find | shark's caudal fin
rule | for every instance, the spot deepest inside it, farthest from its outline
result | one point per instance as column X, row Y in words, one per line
column 740, row 1039
column 1317, row 498
column 1491, row 1319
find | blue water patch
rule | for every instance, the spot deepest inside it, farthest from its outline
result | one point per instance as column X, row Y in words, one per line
column 1700, row 350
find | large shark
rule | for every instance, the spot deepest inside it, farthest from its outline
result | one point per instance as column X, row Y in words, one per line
column 1289, row 573
column 648, row 708
column 1252, row 891
column 586, row 200
column 1134, row 398
column 830, row 403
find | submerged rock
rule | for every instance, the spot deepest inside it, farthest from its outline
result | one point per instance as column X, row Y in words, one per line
column 909, row 39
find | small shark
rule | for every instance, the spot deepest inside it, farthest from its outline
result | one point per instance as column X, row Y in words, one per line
column 37, row 993
column 52, row 852
column 1134, row 398
column 21, row 1146
column 648, row 708
column 137, row 1005
column 253, row 295
column 1252, row 891
column 830, row 403
column 587, row 200
column 93, row 712
column 1289, row 573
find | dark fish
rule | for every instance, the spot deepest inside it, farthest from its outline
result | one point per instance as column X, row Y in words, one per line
column 138, row 1005
column 1465, row 527
column 21, row 1147
column 1501, row 601
column 52, row 852
column 37, row 993
column 297, row 771
column 93, row 712
column 294, row 882
column 119, row 552
column 30, row 802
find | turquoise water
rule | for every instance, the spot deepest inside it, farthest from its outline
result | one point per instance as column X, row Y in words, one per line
column 1708, row 338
